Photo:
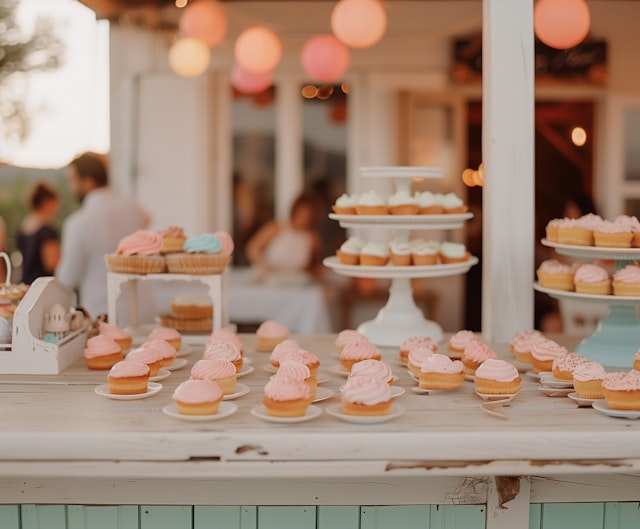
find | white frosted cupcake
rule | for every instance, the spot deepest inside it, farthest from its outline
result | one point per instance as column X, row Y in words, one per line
column 370, row 203
column 373, row 254
column 402, row 203
column 345, row 204
column 349, row 251
column 424, row 253
column 451, row 203
column 400, row 253
column 453, row 252
column 427, row 203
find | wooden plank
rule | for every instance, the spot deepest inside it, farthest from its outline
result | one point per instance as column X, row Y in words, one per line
column 457, row 517
column 279, row 517
column 338, row 517
column 44, row 517
column 102, row 517
column 622, row 515
column 216, row 517
column 573, row 516
column 535, row 514
column 10, row 516
column 165, row 517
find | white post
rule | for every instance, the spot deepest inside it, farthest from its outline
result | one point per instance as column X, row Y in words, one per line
column 507, row 152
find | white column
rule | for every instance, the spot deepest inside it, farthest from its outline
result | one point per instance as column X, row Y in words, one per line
column 507, row 152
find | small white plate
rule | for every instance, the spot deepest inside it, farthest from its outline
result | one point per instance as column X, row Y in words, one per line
column 312, row 413
column 178, row 363
column 241, row 390
column 490, row 396
column 244, row 371
column 413, row 376
column 532, row 374
column 581, row 401
column 396, row 391
column 336, row 411
column 163, row 373
column 185, row 350
column 323, row 394
column 337, row 369
column 247, row 360
column 322, row 378
column 269, row 368
column 152, row 389
column 555, row 392
column 602, row 407
column 551, row 382
column 421, row 391
column 469, row 378
column 226, row 409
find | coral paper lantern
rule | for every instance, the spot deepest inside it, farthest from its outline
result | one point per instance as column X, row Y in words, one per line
column 561, row 24
column 205, row 20
column 249, row 82
column 258, row 49
column 189, row 57
column 325, row 58
column 359, row 23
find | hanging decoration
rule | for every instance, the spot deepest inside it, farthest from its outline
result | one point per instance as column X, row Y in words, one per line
column 205, row 20
column 258, row 49
column 325, row 58
column 561, row 24
column 359, row 23
column 249, row 82
column 189, row 57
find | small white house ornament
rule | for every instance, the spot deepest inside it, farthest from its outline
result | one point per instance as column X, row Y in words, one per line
column 57, row 320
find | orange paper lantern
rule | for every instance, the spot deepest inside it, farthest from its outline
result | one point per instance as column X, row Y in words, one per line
column 189, row 57
column 205, row 20
column 325, row 58
column 258, row 49
column 359, row 23
column 561, row 24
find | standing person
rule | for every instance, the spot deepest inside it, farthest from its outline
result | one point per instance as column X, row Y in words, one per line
column 37, row 239
column 94, row 230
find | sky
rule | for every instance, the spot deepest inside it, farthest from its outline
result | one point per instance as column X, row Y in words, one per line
column 69, row 106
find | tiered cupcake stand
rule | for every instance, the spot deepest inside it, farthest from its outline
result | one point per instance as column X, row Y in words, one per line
column 400, row 317
column 617, row 336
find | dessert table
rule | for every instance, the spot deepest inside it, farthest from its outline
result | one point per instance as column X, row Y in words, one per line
column 64, row 446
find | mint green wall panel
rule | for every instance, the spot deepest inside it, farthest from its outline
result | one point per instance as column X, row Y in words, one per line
column 166, row 517
column 287, row 517
column 573, row 516
column 395, row 517
column 535, row 512
column 458, row 517
column 622, row 515
column 102, row 517
column 248, row 517
column 338, row 517
column 216, row 517
column 44, row 517
column 10, row 516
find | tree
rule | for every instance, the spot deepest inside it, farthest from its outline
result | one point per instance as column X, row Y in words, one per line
column 20, row 55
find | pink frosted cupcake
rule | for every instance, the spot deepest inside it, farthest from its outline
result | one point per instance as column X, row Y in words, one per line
column 622, row 390
column 138, row 253
column 304, row 357
column 417, row 356
column 522, row 342
column 543, row 353
column 293, row 371
column 225, row 335
column 270, row 333
column 286, row 399
column 281, row 350
column 128, row 378
column 475, row 353
column 439, row 372
column 372, row 369
column 366, row 396
column 102, row 352
column 357, row 351
column 414, row 342
column 224, row 350
column 173, row 238
column 556, row 275
column 226, row 241
column 198, row 397
column 218, row 370
column 166, row 350
column 587, row 380
column 592, row 279
column 612, row 235
column 626, row 282
column 348, row 336
column 457, row 343
column 564, row 366
column 123, row 339
column 150, row 357
column 633, row 225
column 168, row 334
column 497, row 377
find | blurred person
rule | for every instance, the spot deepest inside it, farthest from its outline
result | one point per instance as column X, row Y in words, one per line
column 94, row 230
column 37, row 239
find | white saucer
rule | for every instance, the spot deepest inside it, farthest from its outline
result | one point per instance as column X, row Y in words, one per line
column 269, row 368
column 163, row 373
column 336, row 411
column 226, row 409
column 489, row 396
column 241, row 390
column 247, row 360
column 312, row 413
column 178, row 363
column 413, row 376
column 469, row 378
column 532, row 374
column 552, row 383
column 421, row 391
column 400, row 363
column 396, row 391
column 602, row 407
column 581, row 401
column 555, row 392
column 322, row 378
column 337, row 369
column 185, row 350
column 152, row 389
column 323, row 394
column 244, row 371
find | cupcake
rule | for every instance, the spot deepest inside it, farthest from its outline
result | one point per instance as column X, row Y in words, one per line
column 357, row 351
column 224, row 350
column 451, row 203
column 474, row 354
column 522, row 342
column 427, row 203
column 424, row 252
column 592, row 279
column 286, row 399
column 168, row 334
column 366, row 396
column 198, row 397
column 201, row 255
column 128, row 378
column 373, row 254
column 192, row 307
column 370, row 203
column 633, row 225
column 417, row 356
column 400, row 254
column 372, row 369
column 346, row 204
column 578, row 232
column 636, row 361
column 402, row 203
column 173, row 238
column 138, row 253
column 304, row 357
column 166, row 350
column 543, row 353
column 225, row 335
column 564, row 366
column 102, row 352
column 555, row 275
column 453, row 252
column 626, row 282
column 226, row 241
column 497, row 377
column 281, row 350
column 151, row 357
column 293, row 371
column 414, row 342
column 551, row 230
column 349, row 251
column 270, row 333
column 347, row 336
column 218, row 370
column 457, row 343
column 622, row 390
column 123, row 339
column 587, row 380
column 439, row 372
column 612, row 235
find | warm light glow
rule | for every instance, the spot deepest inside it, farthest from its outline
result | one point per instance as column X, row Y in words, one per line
column 189, row 57
column 258, row 49
column 345, row 87
column 359, row 23
column 309, row 91
column 578, row 136
column 250, row 82
column 467, row 177
column 205, row 20
column 181, row 3
column 325, row 58
column 561, row 24
column 324, row 92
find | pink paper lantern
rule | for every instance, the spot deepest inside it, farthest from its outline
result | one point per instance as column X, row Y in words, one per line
column 189, row 57
column 561, row 24
column 359, row 23
column 250, row 82
column 325, row 58
column 258, row 49
column 205, row 20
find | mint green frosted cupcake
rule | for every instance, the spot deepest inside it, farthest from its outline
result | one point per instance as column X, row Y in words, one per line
column 201, row 255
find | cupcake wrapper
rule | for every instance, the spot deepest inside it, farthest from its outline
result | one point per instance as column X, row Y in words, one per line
column 196, row 264
column 135, row 264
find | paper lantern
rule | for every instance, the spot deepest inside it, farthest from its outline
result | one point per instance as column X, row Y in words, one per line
column 359, row 23
column 467, row 177
column 205, row 20
column 250, row 82
column 189, row 57
column 258, row 49
column 325, row 58
column 561, row 24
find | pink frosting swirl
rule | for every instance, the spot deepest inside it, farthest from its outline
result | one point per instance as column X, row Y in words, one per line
column 348, row 336
column 628, row 223
column 438, row 363
column 164, row 333
column 292, row 371
column 461, row 339
column 372, row 369
column 478, row 352
column 612, row 227
column 418, row 341
column 213, row 369
column 225, row 335
column 524, row 340
column 590, row 273
column 272, row 329
column 629, row 274
column 499, row 370
column 302, row 356
column 163, row 347
column 622, row 381
column 589, row 371
column 145, row 356
column 282, row 390
column 226, row 241
column 589, row 221
column 142, row 242
column 360, row 351
column 101, row 345
column 128, row 368
column 174, row 232
column 545, row 350
column 367, row 391
column 418, row 355
column 569, row 362
column 282, row 349
column 551, row 266
column 116, row 333
column 197, row 391
column 222, row 350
